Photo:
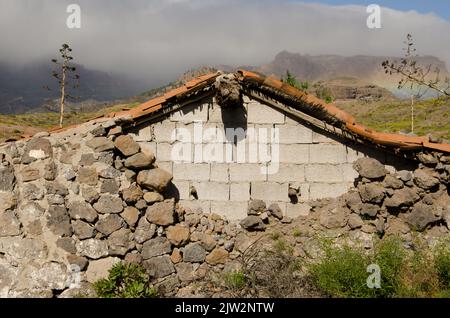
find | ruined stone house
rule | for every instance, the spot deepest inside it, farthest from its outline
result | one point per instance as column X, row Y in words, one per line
column 93, row 194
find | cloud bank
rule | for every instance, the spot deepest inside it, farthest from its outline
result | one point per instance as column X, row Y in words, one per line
column 158, row 40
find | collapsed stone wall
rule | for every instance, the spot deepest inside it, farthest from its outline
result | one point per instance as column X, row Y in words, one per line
column 409, row 204
column 80, row 200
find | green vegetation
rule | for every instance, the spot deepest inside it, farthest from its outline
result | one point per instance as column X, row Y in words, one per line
column 270, row 269
column 235, row 280
column 432, row 116
column 15, row 125
column 422, row 272
column 125, row 281
column 324, row 93
column 292, row 80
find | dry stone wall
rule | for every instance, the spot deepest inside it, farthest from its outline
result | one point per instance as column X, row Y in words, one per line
column 75, row 203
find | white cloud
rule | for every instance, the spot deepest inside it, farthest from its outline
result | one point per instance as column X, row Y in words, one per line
column 160, row 39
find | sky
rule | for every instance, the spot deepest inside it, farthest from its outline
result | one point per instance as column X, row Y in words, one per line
column 157, row 40
column 440, row 8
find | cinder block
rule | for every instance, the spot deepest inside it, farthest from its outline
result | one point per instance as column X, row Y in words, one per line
column 240, row 191
column 294, row 154
column 254, row 152
column 349, row 174
column 205, row 206
column 294, row 134
column 296, row 210
column 219, row 172
column 353, row 155
column 191, row 171
column 210, row 152
column 212, row 191
column 176, row 152
column 246, row 172
column 271, row 191
column 327, row 190
column 288, row 172
column 324, row 153
column 164, row 152
column 164, row 131
column 262, row 114
column 195, row 112
column 324, row 173
column 232, row 211
column 322, row 138
column 143, row 134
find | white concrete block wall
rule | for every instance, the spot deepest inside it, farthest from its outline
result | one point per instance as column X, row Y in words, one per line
column 316, row 163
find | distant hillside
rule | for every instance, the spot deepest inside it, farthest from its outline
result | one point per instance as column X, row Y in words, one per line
column 328, row 67
column 21, row 89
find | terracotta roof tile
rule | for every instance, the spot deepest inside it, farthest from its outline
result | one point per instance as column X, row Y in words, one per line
column 385, row 139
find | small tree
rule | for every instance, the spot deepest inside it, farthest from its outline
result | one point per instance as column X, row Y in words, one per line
column 292, row 80
column 415, row 76
column 66, row 76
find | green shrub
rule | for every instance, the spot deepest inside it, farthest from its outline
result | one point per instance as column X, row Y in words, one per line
column 389, row 256
column 125, row 281
column 235, row 280
column 342, row 272
column 442, row 263
column 420, row 272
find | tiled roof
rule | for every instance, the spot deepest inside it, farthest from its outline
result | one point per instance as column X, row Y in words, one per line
column 385, row 139
column 346, row 120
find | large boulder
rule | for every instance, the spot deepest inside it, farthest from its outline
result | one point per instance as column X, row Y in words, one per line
column 178, row 235
column 154, row 179
column 82, row 210
column 253, row 223
column 7, row 178
column 161, row 213
column 333, row 216
column 156, row 247
column 370, row 168
column 108, row 204
column 58, row 221
column 109, row 224
column 139, row 161
column 120, row 242
column 159, row 267
column 425, row 179
column 126, row 145
column 10, row 225
column 194, row 253
column 100, row 144
column 421, row 216
column 402, row 197
column 132, row 194
column 37, row 148
column 218, row 256
column 92, row 248
column 371, row 193
column 144, row 231
column 256, row 207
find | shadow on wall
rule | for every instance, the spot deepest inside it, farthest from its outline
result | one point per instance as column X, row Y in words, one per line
column 234, row 118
